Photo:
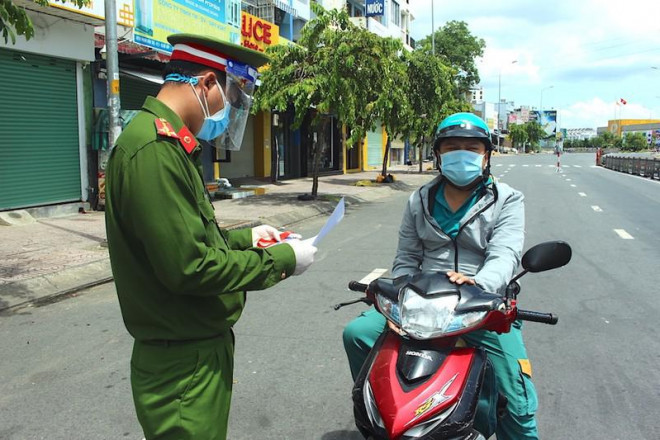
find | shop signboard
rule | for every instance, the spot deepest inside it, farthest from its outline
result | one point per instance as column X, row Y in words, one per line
column 257, row 33
column 374, row 8
column 156, row 19
column 96, row 9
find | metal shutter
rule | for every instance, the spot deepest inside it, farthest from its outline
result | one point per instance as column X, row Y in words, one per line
column 39, row 147
column 375, row 148
column 133, row 92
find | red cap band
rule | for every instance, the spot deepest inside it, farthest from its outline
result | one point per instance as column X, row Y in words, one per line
column 199, row 54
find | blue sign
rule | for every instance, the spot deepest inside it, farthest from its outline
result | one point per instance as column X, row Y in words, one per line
column 374, row 8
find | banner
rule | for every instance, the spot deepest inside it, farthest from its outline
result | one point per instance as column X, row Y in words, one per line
column 156, row 19
column 96, row 9
column 374, row 8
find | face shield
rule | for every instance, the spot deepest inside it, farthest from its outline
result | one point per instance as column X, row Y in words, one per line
column 239, row 89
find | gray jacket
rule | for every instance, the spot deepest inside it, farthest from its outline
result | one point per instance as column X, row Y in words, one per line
column 488, row 246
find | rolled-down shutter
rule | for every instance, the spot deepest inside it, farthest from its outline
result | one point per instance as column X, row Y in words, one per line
column 39, row 146
column 375, row 148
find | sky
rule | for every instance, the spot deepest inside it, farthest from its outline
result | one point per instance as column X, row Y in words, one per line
column 579, row 57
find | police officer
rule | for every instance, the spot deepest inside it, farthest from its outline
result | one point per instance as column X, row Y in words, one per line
column 179, row 278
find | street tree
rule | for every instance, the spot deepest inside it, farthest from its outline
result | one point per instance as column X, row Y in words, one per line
column 456, row 45
column 518, row 135
column 335, row 69
column 635, row 142
column 432, row 97
column 535, row 133
column 15, row 21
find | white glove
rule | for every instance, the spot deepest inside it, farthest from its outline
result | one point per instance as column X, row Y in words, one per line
column 304, row 251
column 266, row 232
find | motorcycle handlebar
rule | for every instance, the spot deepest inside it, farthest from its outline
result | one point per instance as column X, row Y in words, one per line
column 544, row 318
column 358, row 287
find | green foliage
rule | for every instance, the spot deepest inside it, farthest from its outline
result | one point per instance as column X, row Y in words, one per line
column 457, row 47
column 15, row 21
column 535, row 132
column 635, row 142
column 518, row 135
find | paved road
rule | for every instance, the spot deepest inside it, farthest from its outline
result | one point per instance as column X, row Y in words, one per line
column 64, row 366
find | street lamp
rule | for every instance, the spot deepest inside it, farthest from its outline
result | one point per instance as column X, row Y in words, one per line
column 499, row 103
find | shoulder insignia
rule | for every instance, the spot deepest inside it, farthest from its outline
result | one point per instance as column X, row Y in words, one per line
column 187, row 139
column 164, row 128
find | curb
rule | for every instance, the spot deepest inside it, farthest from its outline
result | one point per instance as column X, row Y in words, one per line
column 52, row 287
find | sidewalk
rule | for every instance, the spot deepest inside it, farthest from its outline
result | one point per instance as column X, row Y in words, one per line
column 59, row 256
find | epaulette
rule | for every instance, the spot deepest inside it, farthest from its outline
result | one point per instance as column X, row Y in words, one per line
column 184, row 136
column 164, row 128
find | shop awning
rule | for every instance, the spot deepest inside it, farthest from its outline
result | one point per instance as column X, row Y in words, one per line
column 156, row 79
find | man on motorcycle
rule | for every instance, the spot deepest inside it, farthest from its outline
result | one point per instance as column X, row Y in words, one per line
column 467, row 225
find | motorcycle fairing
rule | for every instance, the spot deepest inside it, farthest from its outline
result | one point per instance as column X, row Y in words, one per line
column 402, row 409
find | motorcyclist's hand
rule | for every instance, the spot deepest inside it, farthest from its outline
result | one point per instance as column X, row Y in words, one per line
column 396, row 329
column 459, row 278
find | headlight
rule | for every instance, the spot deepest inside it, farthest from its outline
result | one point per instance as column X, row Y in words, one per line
column 429, row 317
column 389, row 308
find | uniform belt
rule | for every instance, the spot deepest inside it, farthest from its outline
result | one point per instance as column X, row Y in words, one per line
column 175, row 342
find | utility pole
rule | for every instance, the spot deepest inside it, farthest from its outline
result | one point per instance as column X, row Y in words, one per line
column 112, row 72
column 432, row 27
column 499, row 104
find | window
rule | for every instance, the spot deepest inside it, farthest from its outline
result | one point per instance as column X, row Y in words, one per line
column 395, row 14
column 234, row 13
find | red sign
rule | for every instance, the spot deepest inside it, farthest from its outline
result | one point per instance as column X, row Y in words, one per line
column 258, row 34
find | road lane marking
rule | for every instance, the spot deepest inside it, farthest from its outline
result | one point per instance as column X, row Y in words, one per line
column 538, row 166
column 525, row 165
column 376, row 273
column 582, row 195
column 552, row 166
column 573, row 185
column 623, row 234
column 568, row 180
column 577, row 166
column 596, row 208
column 498, row 165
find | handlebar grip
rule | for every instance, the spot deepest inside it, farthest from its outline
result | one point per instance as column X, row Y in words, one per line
column 544, row 318
column 358, row 287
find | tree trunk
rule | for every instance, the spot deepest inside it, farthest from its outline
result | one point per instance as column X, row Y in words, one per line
column 316, row 158
column 421, row 147
column 386, row 157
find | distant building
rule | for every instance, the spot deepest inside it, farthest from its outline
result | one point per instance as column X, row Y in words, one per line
column 578, row 134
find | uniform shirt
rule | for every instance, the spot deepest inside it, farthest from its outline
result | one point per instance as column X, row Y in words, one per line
column 178, row 276
column 448, row 220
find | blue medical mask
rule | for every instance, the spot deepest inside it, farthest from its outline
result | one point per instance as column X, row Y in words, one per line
column 461, row 167
column 214, row 125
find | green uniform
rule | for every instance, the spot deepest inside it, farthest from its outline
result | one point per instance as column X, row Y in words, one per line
column 180, row 279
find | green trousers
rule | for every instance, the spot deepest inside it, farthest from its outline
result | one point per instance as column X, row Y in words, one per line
column 510, row 364
column 183, row 392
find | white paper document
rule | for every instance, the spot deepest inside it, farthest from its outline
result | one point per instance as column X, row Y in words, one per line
column 334, row 219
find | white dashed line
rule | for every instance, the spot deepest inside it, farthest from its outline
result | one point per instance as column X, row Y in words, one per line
column 568, row 180
column 525, row 165
column 623, row 234
column 573, row 185
column 498, row 165
column 511, row 165
column 596, row 208
column 551, row 166
column 577, row 166
column 538, row 166
column 376, row 273
column 582, row 195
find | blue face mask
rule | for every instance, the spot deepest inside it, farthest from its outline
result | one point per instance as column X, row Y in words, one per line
column 214, row 125
column 461, row 167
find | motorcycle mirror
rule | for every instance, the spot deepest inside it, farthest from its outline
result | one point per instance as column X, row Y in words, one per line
column 546, row 256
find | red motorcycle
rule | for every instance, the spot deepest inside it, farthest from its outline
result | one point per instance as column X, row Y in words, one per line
column 425, row 383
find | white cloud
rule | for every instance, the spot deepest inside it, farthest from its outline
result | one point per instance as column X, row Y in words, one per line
column 592, row 52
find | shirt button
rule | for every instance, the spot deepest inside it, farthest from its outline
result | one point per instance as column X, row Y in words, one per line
column 283, row 275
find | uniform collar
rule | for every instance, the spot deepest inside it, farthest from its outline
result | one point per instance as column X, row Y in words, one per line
column 161, row 110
